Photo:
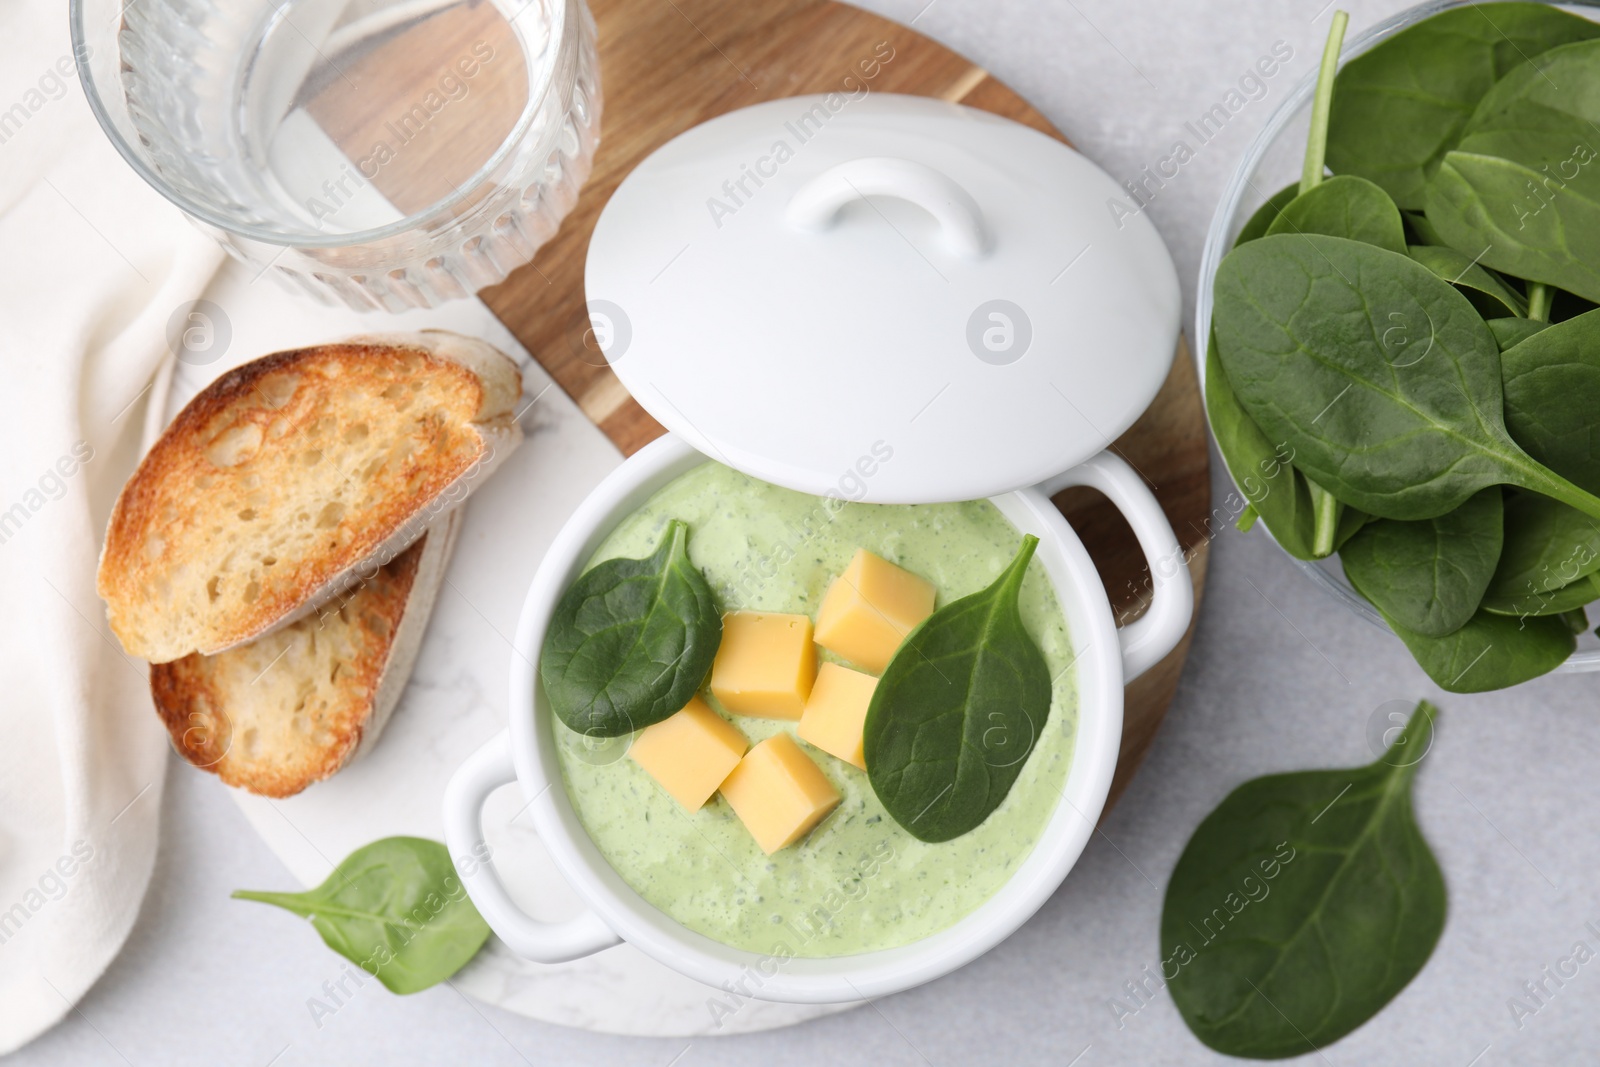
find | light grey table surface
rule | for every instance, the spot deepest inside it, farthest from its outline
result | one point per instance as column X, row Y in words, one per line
column 1279, row 678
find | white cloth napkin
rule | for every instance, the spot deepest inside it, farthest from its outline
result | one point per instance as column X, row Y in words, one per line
column 93, row 263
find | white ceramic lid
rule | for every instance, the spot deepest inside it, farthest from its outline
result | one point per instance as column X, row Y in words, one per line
column 884, row 298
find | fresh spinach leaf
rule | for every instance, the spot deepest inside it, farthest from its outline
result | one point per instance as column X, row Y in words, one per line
column 1342, row 206
column 1508, row 332
column 1522, row 189
column 394, row 908
column 1552, row 397
column 1276, row 493
column 1351, row 522
column 1256, row 225
column 1430, row 574
column 1489, row 293
column 1547, row 546
column 1585, row 590
column 957, row 711
column 1398, row 108
column 1303, row 904
column 631, row 640
column 1541, row 98
column 1379, row 374
column 1490, row 652
column 1420, row 228
column 1345, row 206
column 1263, row 471
column 1483, row 202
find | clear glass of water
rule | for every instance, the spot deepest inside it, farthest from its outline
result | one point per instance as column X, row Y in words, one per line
column 380, row 153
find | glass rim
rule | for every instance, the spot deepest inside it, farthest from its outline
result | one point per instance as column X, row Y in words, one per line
column 561, row 11
column 1217, row 244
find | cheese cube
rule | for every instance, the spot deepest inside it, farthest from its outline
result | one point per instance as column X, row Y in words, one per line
column 837, row 711
column 779, row 793
column 869, row 609
column 765, row 664
column 690, row 753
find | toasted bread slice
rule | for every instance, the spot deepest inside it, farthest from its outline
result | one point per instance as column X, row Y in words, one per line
column 291, row 708
column 286, row 477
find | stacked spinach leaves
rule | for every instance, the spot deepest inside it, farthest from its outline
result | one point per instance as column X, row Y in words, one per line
column 1404, row 364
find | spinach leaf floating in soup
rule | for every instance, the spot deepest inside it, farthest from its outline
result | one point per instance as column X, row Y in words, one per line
column 631, row 641
column 958, row 710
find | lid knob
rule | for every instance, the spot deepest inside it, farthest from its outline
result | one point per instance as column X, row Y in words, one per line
column 815, row 206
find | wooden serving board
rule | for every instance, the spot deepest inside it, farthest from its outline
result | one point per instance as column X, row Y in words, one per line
column 667, row 65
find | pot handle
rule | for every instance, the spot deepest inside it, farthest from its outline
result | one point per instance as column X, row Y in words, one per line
column 486, row 770
column 1149, row 638
column 815, row 205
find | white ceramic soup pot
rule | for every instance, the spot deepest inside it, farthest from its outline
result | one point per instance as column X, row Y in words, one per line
column 1106, row 659
column 778, row 286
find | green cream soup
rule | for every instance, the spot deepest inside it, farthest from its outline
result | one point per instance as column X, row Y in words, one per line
column 857, row 882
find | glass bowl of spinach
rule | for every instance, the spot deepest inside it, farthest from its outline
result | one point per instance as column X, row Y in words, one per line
column 1401, row 347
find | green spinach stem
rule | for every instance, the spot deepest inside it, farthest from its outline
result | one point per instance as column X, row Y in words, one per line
column 1326, row 510
column 1317, row 141
column 1539, row 299
column 294, row 902
column 1544, row 480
